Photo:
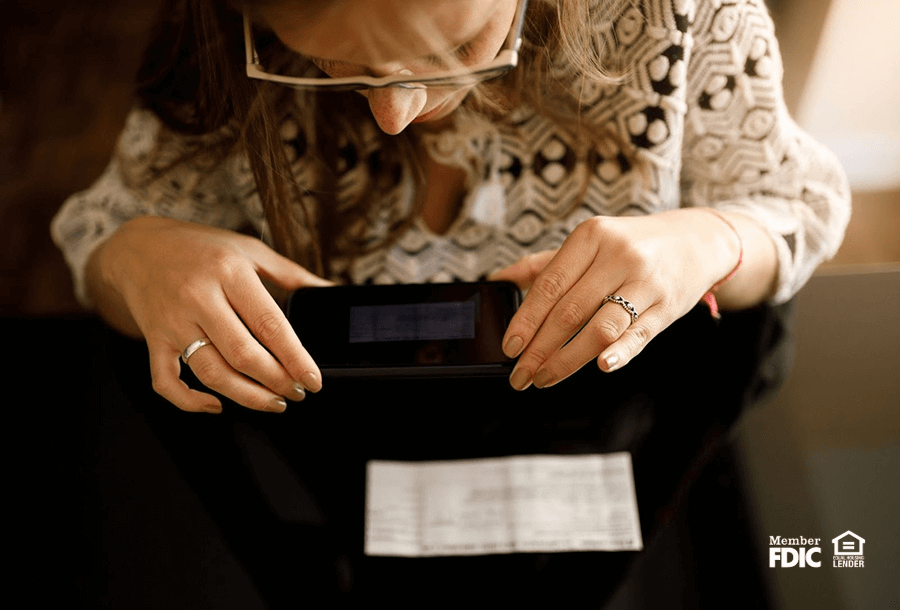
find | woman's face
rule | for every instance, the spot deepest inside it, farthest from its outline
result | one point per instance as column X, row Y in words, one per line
column 382, row 37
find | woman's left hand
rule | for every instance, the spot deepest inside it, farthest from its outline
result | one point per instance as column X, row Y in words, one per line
column 663, row 264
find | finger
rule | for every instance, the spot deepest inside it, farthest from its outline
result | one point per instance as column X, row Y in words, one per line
column 523, row 271
column 244, row 353
column 551, row 284
column 607, row 326
column 165, row 370
column 270, row 329
column 634, row 339
column 564, row 321
column 214, row 372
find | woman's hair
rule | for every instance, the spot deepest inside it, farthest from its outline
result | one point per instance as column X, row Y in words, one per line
column 193, row 78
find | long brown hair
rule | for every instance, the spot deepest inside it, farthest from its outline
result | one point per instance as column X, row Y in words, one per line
column 193, row 78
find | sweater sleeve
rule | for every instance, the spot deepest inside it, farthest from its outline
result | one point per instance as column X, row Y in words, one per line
column 743, row 153
column 188, row 191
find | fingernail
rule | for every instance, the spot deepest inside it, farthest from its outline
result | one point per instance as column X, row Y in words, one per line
column 513, row 346
column 612, row 362
column 299, row 392
column 311, row 382
column 278, row 405
column 212, row 409
column 520, row 379
column 543, row 378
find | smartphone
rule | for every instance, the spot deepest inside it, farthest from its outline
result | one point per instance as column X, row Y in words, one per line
column 406, row 330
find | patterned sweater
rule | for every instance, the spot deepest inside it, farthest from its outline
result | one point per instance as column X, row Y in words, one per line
column 703, row 109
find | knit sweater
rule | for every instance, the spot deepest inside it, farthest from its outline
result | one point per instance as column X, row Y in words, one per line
column 702, row 110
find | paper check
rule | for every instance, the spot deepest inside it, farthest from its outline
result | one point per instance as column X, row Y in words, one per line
column 537, row 503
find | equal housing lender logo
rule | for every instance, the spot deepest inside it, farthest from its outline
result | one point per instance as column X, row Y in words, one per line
column 848, row 551
column 806, row 552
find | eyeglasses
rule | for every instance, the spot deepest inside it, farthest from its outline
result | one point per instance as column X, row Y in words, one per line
column 506, row 60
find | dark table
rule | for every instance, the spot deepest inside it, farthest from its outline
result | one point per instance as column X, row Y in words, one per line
column 122, row 501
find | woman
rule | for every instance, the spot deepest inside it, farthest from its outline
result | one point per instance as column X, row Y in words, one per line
column 624, row 126
column 637, row 160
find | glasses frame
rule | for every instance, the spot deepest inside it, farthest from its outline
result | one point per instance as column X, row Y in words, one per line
column 506, row 60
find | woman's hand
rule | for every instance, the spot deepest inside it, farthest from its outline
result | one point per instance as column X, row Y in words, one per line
column 663, row 264
column 174, row 282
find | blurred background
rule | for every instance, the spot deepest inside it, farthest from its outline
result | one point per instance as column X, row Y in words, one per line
column 821, row 458
column 824, row 456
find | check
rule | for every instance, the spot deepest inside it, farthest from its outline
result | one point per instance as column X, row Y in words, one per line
column 536, row 503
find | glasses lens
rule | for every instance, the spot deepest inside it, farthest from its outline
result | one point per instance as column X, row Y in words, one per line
column 469, row 79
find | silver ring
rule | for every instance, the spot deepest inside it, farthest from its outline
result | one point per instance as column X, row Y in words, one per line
column 629, row 307
column 193, row 347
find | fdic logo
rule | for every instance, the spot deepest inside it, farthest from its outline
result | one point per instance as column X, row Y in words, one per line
column 782, row 552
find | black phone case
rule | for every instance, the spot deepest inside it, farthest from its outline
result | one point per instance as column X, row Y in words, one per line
column 321, row 318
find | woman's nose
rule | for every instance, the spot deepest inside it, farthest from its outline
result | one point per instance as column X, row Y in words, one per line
column 395, row 107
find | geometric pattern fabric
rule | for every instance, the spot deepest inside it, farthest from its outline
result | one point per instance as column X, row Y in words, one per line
column 702, row 109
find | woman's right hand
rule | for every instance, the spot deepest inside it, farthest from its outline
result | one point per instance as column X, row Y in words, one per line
column 175, row 282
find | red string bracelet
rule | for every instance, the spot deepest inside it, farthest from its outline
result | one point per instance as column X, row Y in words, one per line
column 710, row 298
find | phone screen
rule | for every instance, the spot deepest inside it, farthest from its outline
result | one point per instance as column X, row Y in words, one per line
column 412, row 329
column 412, row 322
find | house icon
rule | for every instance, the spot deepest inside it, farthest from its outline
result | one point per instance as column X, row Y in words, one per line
column 848, row 543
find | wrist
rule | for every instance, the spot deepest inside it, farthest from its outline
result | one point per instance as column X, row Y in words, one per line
column 717, row 245
column 709, row 298
column 105, row 277
column 112, row 256
column 754, row 280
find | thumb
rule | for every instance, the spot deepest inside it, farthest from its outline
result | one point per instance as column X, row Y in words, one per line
column 282, row 271
column 523, row 271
